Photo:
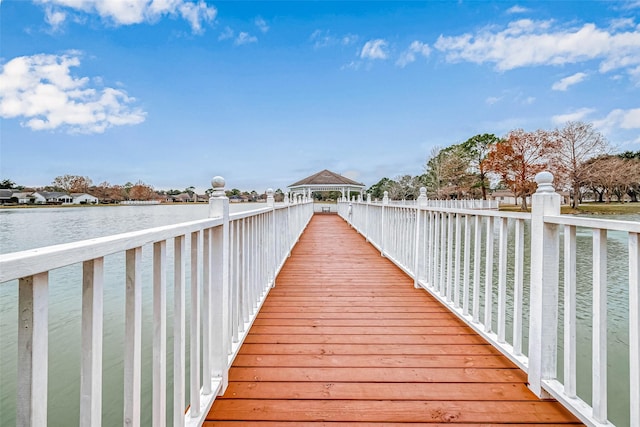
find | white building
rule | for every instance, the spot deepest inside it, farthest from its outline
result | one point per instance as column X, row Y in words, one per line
column 84, row 199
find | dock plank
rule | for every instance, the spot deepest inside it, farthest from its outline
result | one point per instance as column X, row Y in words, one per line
column 344, row 339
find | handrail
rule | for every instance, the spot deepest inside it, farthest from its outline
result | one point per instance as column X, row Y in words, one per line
column 473, row 261
column 226, row 264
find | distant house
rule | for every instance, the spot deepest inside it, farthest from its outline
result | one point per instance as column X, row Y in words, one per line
column 184, row 198
column 52, row 197
column 5, row 196
column 23, row 198
column 84, row 199
column 506, row 197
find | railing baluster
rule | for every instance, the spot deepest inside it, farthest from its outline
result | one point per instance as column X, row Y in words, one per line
column 91, row 356
column 456, row 282
column 235, row 281
column 436, row 252
column 476, row 269
column 179, row 327
column 246, row 276
column 431, row 257
column 518, row 281
column 634, row 327
column 449, row 255
column 194, row 339
column 502, row 280
column 133, row 337
column 443, row 254
column 159, row 386
column 159, row 333
column 600, row 325
column 467, row 264
column 488, row 277
column 33, row 350
column 570, row 310
column 206, row 312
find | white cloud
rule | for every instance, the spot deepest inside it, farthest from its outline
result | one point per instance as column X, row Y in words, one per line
column 374, row 49
column 324, row 38
column 409, row 55
column 564, row 83
column 622, row 23
column 227, row 33
column 348, row 39
column 261, row 24
column 353, row 65
column 245, row 38
column 54, row 18
column 128, row 12
column 529, row 100
column 618, row 118
column 574, row 116
column 517, row 9
column 41, row 90
column 534, row 43
column 492, row 100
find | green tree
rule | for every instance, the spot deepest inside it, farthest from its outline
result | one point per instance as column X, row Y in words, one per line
column 377, row 190
column 477, row 148
column 447, row 173
column 7, row 184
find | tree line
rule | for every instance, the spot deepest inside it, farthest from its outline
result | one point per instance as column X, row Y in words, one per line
column 114, row 193
column 577, row 154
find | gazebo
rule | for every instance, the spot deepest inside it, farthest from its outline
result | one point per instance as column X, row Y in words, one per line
column 326, row 181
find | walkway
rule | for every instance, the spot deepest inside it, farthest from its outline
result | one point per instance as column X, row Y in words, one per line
column 344, row 339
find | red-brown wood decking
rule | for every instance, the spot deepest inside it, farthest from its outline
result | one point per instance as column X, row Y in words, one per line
column 344, row 339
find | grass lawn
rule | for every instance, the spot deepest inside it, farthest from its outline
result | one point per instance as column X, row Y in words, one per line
column 590, row 208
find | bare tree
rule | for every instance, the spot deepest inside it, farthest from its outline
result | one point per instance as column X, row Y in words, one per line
column 72, row 183
column 577, row 142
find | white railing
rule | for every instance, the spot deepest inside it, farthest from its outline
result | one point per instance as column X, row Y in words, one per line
column 450, row 203
column 230, row 261
column 476, row 262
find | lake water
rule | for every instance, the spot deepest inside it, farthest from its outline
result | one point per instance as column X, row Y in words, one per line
column 22, row 229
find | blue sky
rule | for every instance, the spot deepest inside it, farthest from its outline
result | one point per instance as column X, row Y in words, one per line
column 173, row 92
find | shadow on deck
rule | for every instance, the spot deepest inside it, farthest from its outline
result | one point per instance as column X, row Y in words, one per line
column 344, row 338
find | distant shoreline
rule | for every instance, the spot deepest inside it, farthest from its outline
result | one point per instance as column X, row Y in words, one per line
column 586, row 208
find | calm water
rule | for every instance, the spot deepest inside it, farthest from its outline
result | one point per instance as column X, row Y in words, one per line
column 22, row 229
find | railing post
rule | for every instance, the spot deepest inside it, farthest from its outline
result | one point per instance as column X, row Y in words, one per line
column 543, row 320
column 270, row 199
column 385, row 202
column 219, row 207
column 419, row 261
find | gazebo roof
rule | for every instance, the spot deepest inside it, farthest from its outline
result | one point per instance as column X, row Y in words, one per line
column 326, row 177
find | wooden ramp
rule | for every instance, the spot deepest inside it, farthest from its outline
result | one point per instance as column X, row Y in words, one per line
column 344, row 339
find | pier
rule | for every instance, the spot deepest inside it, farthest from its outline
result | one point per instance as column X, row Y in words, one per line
column 345, row 338
column 386, row 313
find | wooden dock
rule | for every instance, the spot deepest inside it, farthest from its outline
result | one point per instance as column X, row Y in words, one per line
column 345, row 339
